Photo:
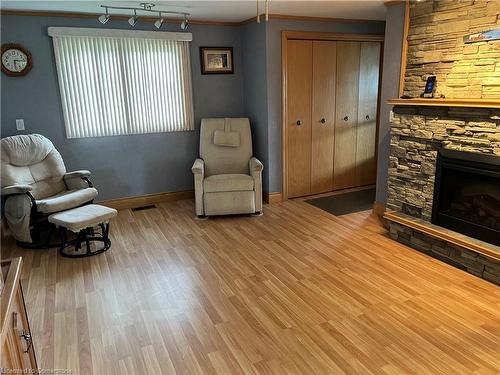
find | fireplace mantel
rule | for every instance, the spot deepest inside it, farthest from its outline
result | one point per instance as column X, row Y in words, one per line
column 434, row 102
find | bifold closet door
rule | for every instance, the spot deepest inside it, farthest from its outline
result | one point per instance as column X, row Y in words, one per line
column 346, row 114
column 299, row 91
column 323, row 112
column 366, row 165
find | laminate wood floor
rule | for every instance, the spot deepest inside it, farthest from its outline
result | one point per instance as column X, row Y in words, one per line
column 296, row 291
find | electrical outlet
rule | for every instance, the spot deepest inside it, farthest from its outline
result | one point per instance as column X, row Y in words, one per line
column 20, row 124
column 391, row 116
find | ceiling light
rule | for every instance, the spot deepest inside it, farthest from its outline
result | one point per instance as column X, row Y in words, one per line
column 159, row 21
column 133, row 20
column 144, row 8
column 184, row 24
column 104, row 17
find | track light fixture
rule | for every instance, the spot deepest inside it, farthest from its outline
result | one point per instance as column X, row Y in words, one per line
column 104, row 18
column 185, row 23
column 133, row 20
column 159, row 22
column 147, row 8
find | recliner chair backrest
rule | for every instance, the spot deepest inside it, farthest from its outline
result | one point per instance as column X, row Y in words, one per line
column 225, row 145
column 32, row 160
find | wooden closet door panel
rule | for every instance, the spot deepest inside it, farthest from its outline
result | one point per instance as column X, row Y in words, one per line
column 323, row 112
column 299, row 87
column 346, row 114
column 366, row 166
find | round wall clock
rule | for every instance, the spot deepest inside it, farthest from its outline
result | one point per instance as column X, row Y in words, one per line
column 16, row 60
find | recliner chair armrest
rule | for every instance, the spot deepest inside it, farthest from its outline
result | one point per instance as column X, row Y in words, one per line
column 198, row 170
column 74, row 174
column 16, row 189
column 77, row 179
column 198, row 167
column 255, row 165
column 256, row 168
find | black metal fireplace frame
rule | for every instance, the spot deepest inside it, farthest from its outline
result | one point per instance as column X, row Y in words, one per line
column 483, row 164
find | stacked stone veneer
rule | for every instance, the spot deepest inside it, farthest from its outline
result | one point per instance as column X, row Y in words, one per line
column 436, row 47
column 447, row 252
column 416, row 135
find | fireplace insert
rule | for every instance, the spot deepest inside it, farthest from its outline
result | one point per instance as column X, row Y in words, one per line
column 467, row 194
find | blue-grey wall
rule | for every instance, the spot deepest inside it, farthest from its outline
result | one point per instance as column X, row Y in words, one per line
column 253, row 41
column 143, row 164
column 124, row 165
column 394, row 29
column 274, row 29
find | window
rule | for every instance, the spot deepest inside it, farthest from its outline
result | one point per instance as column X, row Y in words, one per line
column 115, row 82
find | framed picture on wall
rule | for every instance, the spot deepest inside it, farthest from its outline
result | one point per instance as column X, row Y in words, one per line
column 216, row 60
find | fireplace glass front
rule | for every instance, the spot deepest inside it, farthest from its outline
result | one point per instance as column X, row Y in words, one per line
column 467, row 194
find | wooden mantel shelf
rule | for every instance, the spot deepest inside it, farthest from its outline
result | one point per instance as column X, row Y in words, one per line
column 475, row 103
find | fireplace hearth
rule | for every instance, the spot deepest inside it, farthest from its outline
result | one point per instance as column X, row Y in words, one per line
column 467, row 194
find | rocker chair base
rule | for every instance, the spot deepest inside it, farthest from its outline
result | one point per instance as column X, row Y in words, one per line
column 86, row 242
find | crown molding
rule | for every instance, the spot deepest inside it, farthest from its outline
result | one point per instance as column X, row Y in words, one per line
column 13, row 12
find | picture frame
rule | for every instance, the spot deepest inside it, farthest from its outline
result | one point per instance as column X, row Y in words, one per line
column 216, row 60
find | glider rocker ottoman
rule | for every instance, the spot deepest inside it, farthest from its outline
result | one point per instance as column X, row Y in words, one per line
column 83, row 222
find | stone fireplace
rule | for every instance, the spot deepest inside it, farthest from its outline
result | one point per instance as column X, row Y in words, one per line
column 428, row 222
column 443, row 184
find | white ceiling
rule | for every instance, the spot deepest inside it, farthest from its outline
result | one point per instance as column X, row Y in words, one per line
column 223, row 10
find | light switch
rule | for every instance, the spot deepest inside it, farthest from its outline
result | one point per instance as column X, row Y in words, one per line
column 20, row 124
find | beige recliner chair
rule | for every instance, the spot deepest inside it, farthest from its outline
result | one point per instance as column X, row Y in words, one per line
column 227, row 179
column 35, row 184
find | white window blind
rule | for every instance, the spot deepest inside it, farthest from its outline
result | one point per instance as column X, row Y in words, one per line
column 116, row 82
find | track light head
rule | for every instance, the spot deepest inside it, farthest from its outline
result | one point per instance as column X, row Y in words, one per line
column 159, row 21
column 104, row 18
column 184, row 24
column 133, row 20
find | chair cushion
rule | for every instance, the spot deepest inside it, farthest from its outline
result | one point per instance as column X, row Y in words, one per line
column 227, row 182
column 83, row 217
column 65, row 200
column 32, row 160
column 25, row 149
column 221, row 159
column 227, row 139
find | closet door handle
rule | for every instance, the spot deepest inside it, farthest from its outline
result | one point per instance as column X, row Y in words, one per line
column 346, row 118
column 29, row 340
column 299, row 122
column 367, row 117
column 323, row 120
